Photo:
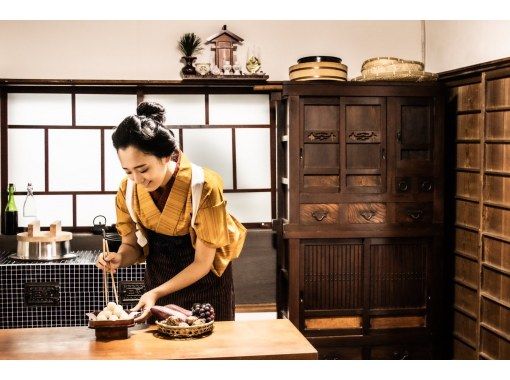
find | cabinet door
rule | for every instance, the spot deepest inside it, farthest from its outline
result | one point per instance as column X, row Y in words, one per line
column 411, row 125
column 399, row 281
column 320, row 144
column 363, row 144
column 332, row 284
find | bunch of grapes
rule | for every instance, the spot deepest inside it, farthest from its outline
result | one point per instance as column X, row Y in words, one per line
column 203, row 311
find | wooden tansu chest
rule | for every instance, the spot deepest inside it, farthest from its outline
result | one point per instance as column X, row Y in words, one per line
column 360, row 217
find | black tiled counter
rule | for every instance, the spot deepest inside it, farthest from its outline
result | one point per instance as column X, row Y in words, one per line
column 59, row 293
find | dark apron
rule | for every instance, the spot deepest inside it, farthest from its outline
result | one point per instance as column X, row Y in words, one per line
column 168, row 255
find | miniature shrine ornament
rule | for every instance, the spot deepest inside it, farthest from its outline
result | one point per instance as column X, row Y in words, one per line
column 224, row 46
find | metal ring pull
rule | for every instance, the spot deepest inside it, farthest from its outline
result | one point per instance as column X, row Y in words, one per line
column 426, row 185
column 403, row 186
column 415, row 214
column 319, row 215
column 367, row 214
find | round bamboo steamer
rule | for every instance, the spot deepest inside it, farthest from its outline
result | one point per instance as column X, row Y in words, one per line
column 35, row 235
column 318, row 71
column 384, row 61
column 393, row 68
column 410, row 76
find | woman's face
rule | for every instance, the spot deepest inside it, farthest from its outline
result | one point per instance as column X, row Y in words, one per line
column 145, row 169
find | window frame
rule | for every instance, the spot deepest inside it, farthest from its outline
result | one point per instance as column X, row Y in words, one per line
column 140, row 89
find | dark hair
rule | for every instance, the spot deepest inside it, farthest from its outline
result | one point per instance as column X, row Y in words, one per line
column 146, row 131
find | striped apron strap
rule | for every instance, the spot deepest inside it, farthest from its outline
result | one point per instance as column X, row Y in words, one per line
column 197, row 183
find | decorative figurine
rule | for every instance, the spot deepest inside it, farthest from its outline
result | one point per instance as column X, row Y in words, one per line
column 226, row 68
column 223, row 46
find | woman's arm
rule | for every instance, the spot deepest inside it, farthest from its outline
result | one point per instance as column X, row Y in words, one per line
column 201, row 265
column 128, row 254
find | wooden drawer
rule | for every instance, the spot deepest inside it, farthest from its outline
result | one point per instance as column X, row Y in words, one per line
column 401, row 352
column 339, row 353
column 366, row 213
column 319, row 213
column 411, row 213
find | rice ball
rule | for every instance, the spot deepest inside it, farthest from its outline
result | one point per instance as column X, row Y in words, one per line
column 101, row 317
column 113, row 318
column 111, row 306
column 118, row 310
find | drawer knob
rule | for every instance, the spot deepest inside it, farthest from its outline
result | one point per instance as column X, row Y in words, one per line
column 415, row 214
column 426, row 186
column 403, row 186
column 368, row 214
column 319, row 215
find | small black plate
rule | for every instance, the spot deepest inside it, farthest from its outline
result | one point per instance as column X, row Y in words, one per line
column 320, row 58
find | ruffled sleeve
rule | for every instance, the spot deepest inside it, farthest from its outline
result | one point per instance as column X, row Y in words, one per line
column 211, row 223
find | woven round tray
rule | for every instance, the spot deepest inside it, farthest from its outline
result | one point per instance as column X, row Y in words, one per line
column 384, row 61
column 183, row 331
column 393, row 68
column 408, row 76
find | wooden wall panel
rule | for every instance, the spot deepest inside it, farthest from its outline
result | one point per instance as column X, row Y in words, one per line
column 464, row 327
column 466, row 242
column 469, row 97
column 469, row 126
column 468, row 214
column 497, row 190
column 496, row 253
column 468, row 156
column 494, row 345
column 462, row 351
column 468, row 185
column 498, row 157
column 466, row 298
column 481, row 115
column 496, row 316
column 497, row 221
column 498, row 125
column 466, row 270
column 498, row 92
column 496, row 284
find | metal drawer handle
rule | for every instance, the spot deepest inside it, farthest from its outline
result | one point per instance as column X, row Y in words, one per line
column 426, row 185
column 319, row 215
column 367, row 214
column 415, row 214
column 362, row 135
column 403, row 186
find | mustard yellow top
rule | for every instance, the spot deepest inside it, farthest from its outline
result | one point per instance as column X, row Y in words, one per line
column 213, row 224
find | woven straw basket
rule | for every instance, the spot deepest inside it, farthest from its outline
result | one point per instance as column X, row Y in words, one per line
column 185, row 331
column 385, row 61
column 393, row 69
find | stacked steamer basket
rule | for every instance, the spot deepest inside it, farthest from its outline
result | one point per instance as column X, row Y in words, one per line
column 394, row 69
column 318, row 67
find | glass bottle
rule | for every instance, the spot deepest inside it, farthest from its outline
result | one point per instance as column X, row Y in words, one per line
column 29, row 208
column 10, row 222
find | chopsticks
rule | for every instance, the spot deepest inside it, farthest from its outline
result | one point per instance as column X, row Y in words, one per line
column 106, row 252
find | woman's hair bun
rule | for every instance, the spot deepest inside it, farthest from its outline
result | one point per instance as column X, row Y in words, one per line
column 153, row 110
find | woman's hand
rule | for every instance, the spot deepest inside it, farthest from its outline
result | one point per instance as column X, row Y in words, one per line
column 147, row 300
column 110, row 263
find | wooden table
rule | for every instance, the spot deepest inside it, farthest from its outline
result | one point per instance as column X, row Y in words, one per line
column 266, row 339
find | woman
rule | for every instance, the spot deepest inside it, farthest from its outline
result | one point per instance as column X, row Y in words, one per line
column 185, row 263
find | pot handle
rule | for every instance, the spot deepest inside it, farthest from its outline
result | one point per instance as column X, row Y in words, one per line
column 55, row 228
column 34, row 227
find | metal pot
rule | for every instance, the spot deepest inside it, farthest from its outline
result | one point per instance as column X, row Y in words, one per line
column 35, row 244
